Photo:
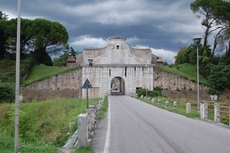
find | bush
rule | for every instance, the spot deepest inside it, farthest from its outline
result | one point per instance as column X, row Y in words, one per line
column 7, row 93
column 157, row 92
column 4, row 79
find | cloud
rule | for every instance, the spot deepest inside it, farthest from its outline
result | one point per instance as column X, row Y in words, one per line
column 167, row 55
column 87, row 41
column 162, row 25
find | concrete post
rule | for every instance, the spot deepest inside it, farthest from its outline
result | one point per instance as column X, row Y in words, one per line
column 174, row 105
column 166, row 104
column 188, row 108
column 217, row 112
column 82, row 130
column 153, row 100
column 203, row 110
column 159, row 102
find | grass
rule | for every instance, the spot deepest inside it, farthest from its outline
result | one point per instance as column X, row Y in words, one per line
column 7, row 70
column 181, row 106
column 186, row 70
column 103, row 110
column 43, row 125
column 7, row 146
column 40, row 72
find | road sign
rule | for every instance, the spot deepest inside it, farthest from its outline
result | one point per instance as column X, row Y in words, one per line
column 87, row 83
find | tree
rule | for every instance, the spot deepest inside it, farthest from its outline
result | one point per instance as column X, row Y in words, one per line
column 69, row 51
column 222, row 15
column 205, row 63
column 40, row 37
column 182, row 56
column 3, row 38
column 219, row 78
column 3, row 16
column 213, row 21
column 49, row 38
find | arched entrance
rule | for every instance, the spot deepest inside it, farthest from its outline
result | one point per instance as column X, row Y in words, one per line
column 117, row 86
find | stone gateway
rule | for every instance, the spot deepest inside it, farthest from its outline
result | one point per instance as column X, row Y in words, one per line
column 117, row 69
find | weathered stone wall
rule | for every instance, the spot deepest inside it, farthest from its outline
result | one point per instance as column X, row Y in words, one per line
column 171, row 81
column 69, row 85
column 62, row 85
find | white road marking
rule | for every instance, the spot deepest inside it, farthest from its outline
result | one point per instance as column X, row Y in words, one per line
column 107, row 140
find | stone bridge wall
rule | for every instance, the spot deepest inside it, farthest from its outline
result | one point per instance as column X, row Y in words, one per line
column 67, row 85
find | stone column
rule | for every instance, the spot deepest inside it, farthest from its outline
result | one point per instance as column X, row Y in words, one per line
column 203, row 110
column 82, row 130
column 217, row 112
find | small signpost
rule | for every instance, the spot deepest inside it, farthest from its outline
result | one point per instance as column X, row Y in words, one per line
column 86, row 86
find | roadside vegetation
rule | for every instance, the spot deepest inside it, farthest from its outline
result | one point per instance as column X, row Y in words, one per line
column 43, row 124
column 181, row 105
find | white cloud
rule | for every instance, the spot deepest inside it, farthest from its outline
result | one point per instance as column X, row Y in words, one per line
column 167, row 55
column 86, row 41
column 132, row 40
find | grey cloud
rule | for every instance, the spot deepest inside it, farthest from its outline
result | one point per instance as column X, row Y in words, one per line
column 165, row 24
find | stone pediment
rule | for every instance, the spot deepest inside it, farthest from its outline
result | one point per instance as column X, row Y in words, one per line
column 118, row 52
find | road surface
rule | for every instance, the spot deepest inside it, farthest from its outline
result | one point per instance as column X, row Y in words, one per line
column 132, row 126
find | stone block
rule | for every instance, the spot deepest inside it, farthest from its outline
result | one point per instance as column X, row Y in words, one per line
column 82, row 130
column 166, row 103
column 174, row 105
column 188, row 108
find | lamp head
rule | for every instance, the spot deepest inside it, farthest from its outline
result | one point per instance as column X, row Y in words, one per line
column 197, row 40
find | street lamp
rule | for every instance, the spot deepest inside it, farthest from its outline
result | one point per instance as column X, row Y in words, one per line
column 146, row 68
column 197, row 40
column 90, row 60
column 17, row 81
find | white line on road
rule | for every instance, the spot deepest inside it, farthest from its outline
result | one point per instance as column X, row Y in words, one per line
column 107, row 140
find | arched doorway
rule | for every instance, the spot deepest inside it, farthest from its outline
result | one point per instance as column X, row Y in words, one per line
column 117, row 86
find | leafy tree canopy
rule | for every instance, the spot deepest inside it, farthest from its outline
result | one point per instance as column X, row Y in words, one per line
column 215, row 20
column 39, row 37
column 3, row 16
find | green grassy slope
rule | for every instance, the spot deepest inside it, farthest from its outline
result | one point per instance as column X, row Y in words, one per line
column 185, row 70
column 40, row 72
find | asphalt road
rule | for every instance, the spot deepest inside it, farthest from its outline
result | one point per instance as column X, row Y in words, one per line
column 132, row 126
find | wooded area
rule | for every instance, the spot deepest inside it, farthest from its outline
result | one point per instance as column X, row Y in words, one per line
column 214, row 61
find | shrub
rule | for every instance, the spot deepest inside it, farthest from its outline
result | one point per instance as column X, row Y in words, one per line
column 7, row 93
column 157, row 92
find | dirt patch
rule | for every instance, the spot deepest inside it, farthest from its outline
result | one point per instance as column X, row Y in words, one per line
column 44, row 94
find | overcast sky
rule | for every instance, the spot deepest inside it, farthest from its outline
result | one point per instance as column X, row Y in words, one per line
column 162, row 25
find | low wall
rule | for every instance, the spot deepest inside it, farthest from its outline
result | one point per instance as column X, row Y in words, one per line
column 66, row 85
column 174, row 82
column 86, row 125
column 44, row 94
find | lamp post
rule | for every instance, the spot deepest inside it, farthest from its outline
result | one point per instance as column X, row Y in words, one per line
column 146, row 68
column 90, row 60
column 197, row 40
column 16, row 124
